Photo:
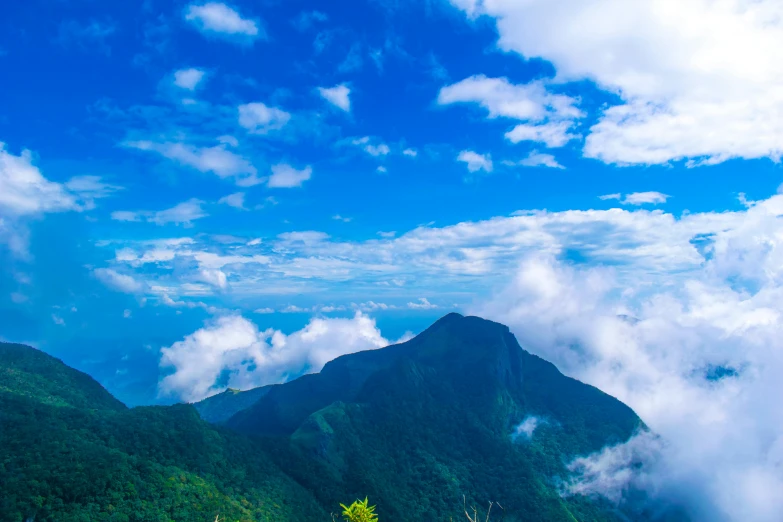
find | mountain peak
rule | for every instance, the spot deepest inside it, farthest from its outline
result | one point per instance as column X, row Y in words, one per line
column 33, row 374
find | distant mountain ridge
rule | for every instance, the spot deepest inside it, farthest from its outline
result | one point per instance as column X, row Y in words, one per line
column 414, row 426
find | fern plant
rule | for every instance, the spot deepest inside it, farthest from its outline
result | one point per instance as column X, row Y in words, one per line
column 359, row 511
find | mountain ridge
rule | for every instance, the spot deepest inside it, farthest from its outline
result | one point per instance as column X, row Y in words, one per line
column 415, row 426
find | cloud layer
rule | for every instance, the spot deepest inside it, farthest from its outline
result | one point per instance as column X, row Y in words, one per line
column 698, row 80
column 232, row 352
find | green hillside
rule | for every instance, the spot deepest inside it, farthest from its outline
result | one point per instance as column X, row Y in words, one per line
column 418, row 425
column 70, row 452
column 415, row 427
column 218, row 408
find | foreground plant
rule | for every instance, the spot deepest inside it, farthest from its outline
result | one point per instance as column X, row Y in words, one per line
column 359, row 511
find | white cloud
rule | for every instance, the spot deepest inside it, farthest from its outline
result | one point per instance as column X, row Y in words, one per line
column 536, row 159
column 236, row 200
column 641, row 198
column 219, row 19
column 25, row 193
column 422, row 304
column 286, row 176
column 228, row 140
column 365, row 142
column 614, row 470
column 264, row 311
column 697, row 355
column 381, row 169
column 117, row 281
column 127, row 314
column 214, row 277
column 637, row 198
column 338, row 217
column 550, row 134
column 259, row 118
column 24, row 190
column 89, row 188
column 377, row 150
column 234, row 348
column 410, row 153
column 339, row 96
column 525, row 429
column 188, row 79
column 58, row 320
column 218, row 159
column 475, row 161
column 181, row 214
column 698, row 79
column 549, row 116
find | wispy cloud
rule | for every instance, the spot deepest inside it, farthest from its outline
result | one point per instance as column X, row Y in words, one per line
column 475, row 161
column 181, row 214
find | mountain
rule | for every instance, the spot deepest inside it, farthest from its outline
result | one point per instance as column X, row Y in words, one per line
column 71, row 452
column 33, row 374
column 418, row 425
column 460, row 410
column 217, row 409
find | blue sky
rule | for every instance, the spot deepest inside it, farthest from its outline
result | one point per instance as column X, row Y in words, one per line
column 195, row 195
column 302, row 139
column 327, row 148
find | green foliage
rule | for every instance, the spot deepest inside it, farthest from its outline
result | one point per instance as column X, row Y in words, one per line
column 60, row 463
column 221, row 407
column 418, row 425
column 415, row 426
column 359, row 511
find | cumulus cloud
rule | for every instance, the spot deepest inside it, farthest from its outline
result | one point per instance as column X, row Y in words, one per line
column 25, row 193
column 231, row 351
column 697, row 80
column 548, row 116
column 339, row 96
column 698, row 358
column 412, row 153
column 475, row 161
column 218, row 19
column 181, row 214
column 214, row 277
column 286, row 176
column 259, row 118
column 188, row 79
column 24, row 190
